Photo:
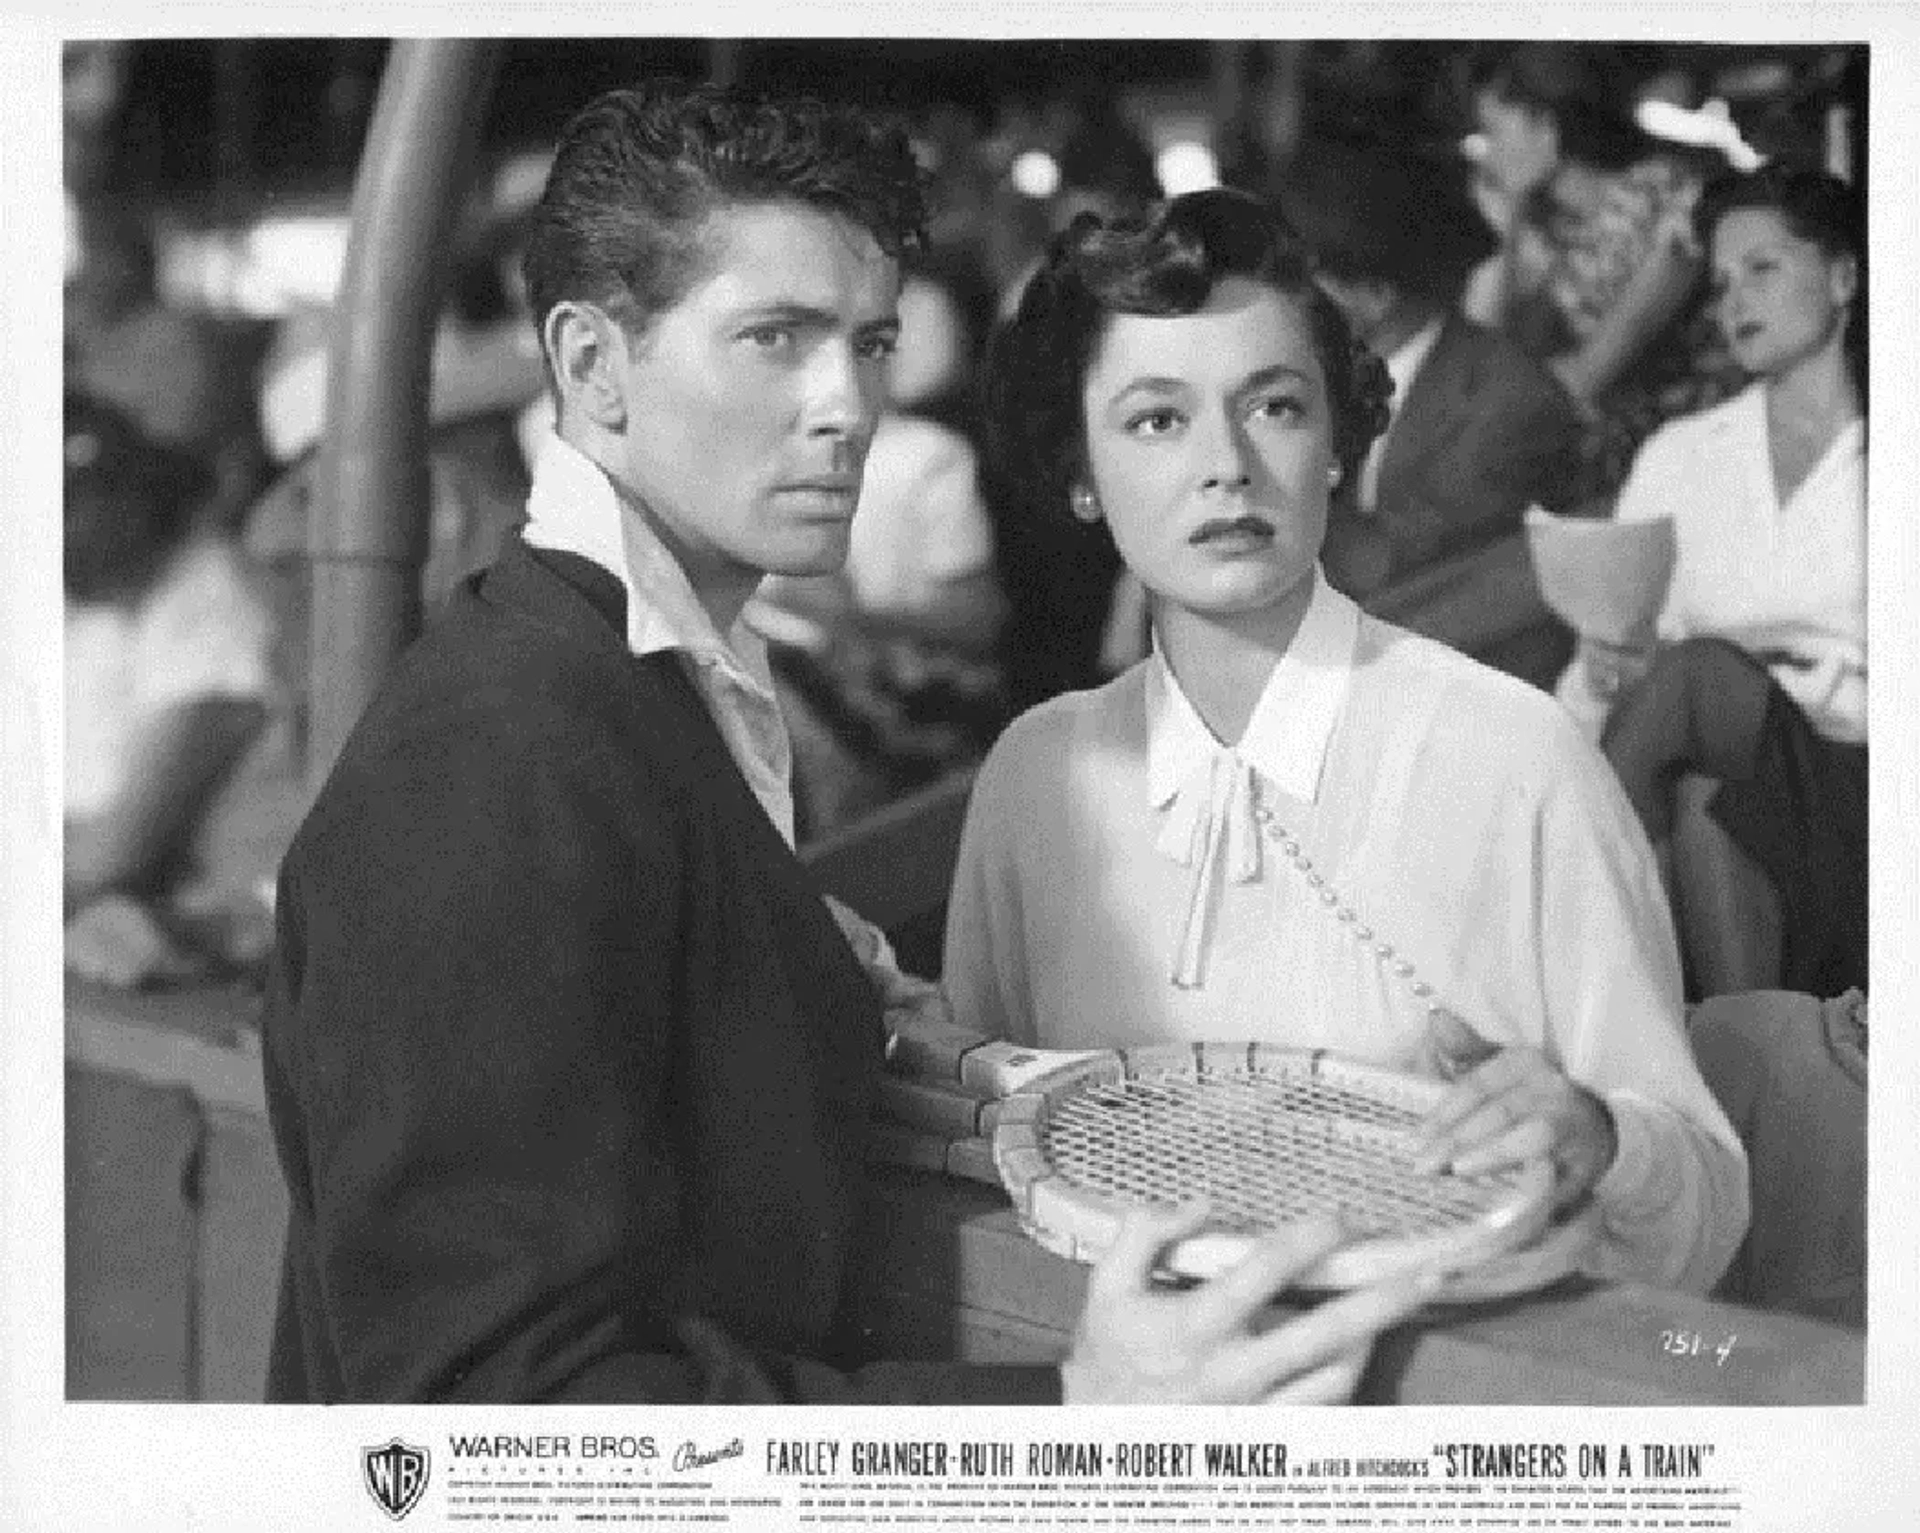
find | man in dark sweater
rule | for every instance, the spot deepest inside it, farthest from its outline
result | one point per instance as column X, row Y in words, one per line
column 568, row 1062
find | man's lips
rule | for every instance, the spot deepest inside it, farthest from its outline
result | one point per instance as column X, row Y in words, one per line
column 829, row 485
column 1223, row 528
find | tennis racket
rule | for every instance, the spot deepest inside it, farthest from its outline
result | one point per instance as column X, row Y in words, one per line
column 1269, row 1135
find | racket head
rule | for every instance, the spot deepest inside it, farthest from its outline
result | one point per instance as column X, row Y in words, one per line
column 1269, row 1135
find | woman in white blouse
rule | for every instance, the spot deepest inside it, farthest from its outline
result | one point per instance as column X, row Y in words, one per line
column 1759, row 677
column 1291, row 821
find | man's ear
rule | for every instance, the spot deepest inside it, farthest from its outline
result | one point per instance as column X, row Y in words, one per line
column 587, row 350
column 1843, row 278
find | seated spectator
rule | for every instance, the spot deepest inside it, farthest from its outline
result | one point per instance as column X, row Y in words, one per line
column 485, row 372
column 1479, row 429
column 167, row 681
column 1599, row 270
column 176, row 374
column 1759, row 677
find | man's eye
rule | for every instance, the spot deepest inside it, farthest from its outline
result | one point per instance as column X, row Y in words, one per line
column 877, row 348
column 1153, row 422
column 769, row 337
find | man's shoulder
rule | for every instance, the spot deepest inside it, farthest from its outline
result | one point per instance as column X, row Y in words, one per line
column 486, row 698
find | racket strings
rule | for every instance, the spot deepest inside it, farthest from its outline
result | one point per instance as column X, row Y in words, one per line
column 1264, row 1150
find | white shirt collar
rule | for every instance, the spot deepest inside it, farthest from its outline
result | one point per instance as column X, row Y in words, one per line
column 1286, row 738
column 1404, row 364
column 572, row 508
column 1211, row 796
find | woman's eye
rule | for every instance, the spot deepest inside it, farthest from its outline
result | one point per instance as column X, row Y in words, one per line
column 1279, row 407
column 1153, row 422
column 877, row 348
column 769, row 337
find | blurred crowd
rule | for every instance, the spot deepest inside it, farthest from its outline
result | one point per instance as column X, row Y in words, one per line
column 1499, row 225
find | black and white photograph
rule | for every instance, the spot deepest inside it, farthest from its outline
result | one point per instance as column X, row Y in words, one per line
column 744, row 723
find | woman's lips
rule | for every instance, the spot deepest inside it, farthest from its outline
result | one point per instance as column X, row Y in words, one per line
column 1237, row 529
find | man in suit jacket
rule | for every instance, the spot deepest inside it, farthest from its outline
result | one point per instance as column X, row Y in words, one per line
column 568, row 1062
column 1479, row 429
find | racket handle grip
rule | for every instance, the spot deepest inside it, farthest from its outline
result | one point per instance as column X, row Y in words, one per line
column 1001, row 1069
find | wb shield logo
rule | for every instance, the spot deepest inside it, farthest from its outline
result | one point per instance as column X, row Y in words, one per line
column 396, row 1475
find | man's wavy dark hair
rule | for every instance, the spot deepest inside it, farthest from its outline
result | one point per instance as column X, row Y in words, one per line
column 1163, row 261
column 638, row 171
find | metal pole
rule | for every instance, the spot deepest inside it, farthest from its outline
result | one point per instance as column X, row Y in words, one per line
column 370, row 515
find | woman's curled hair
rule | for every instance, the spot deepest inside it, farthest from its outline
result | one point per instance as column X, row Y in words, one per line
column 1164, row 261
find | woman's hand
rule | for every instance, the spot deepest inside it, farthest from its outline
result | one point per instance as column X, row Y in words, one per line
column 1509, row 1105
column 1614, row 668
column 1219, row 1344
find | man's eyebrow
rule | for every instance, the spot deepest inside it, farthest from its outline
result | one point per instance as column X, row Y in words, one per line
column 811, row 316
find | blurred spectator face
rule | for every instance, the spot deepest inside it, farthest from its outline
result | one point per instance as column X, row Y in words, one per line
column 1209, row 442
column 1521, row 144
column 930, row 355
column 1780, row 298
column 751, row 402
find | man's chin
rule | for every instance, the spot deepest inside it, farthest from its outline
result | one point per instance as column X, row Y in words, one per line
column 819, row 551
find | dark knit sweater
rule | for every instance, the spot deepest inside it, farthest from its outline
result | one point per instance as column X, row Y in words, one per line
column 568, row 1066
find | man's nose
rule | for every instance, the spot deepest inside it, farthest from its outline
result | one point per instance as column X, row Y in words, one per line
column 841, row 400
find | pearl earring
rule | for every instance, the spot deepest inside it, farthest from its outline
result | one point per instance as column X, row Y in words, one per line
column 1333, row 476
column 1086, row 505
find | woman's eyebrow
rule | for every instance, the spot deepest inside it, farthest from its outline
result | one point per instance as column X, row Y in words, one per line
column 1150, row 383
column 1278, row 373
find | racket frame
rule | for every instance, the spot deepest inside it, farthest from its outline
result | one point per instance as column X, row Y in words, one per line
column 1080, row 1223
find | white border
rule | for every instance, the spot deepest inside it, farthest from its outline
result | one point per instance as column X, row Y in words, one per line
column 211, row 1467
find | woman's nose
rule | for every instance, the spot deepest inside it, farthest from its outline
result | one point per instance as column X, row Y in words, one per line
column 1223, row 454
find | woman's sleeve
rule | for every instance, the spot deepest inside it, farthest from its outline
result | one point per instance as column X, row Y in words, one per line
column 1655, row 489
column 1675, row 1201
column 985, row 968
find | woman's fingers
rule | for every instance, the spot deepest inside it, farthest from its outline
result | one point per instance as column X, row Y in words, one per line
column 1456, row 1048
column 1527, row 1140
column 1470, row 1094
